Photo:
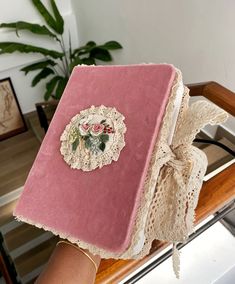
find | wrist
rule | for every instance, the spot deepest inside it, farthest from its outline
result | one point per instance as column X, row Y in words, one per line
column 76, row 250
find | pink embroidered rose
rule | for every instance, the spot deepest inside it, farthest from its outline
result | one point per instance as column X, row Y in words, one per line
column 97, row 129
column 84, row 129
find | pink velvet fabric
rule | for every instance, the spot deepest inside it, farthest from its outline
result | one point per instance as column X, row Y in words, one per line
column 99, row 207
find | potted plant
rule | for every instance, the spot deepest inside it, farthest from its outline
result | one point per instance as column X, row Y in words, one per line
column 56, row 66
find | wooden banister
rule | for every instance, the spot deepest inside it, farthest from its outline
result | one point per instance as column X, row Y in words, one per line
column 216, row 93
column 215, row 193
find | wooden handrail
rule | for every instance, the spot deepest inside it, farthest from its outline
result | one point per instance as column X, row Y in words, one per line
column 215, row 193
column 216, row 93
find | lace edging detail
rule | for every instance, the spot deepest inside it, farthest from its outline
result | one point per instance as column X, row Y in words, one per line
column 83, row 158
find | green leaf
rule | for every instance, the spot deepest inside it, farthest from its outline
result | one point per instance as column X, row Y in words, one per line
column 88, row 61
column 47, row 16
column 60, row 88
column 75, row 144
column 70, row 47
column 38, row 65
column 112, row 45
column 81, row 51
column 102, row 146
column 50, row 86
column 75, row 62
column 84, row 49
column 41, row 75
column 91, row 44
column 10, row 47
column 88, row 143
column 58, row 17
column 101, row 54
column 34, row 28
column 104, row 138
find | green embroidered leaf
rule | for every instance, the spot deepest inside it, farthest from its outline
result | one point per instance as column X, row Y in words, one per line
column 88, row 142
column 102, row 146
column 104, row 138
column 103, row 121
column 75, row 145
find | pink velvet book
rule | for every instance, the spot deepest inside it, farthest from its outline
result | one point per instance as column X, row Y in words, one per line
column 88, row 178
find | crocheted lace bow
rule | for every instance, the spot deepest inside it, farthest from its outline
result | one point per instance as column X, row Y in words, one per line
column 180, row 178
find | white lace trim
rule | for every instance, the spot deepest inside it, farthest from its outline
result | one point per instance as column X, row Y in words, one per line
column 93, row 138
column 171, row 214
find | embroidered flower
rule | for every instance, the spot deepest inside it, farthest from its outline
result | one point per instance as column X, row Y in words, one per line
column 93, row 138
column 96, row 129
column 73, row 135
column 108, row 129
column 84, row 129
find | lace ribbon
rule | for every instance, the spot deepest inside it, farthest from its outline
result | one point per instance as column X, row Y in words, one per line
column 180, row 178
column 174, row 219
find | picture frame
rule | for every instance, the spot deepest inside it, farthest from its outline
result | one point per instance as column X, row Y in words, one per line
column 11, row 118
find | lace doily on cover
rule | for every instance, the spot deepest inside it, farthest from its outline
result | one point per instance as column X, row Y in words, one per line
column 93, row 138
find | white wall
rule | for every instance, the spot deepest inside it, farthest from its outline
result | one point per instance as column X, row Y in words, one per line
column 10, row 64
column 196, row 36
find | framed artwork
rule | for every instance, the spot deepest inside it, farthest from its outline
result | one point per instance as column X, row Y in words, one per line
column 11, row 119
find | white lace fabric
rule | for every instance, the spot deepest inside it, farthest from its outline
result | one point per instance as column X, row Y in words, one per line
column 88, row 156
column 173, row 182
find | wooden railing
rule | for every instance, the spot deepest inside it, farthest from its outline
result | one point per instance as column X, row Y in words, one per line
column 216, row 93
column 215, row 193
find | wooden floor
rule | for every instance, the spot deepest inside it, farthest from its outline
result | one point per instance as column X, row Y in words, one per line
column 16, row 158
